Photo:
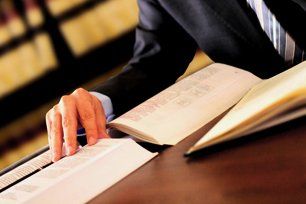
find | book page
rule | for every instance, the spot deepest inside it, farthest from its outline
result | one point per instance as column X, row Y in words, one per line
column 25, row 169
column 267, row 95
column 279, row 119
column 67, row 181
column 184, row 107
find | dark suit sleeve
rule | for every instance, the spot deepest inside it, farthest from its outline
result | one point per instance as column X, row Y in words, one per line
column 162, row 52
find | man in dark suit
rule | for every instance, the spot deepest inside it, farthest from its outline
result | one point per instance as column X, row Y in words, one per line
column 233, row 32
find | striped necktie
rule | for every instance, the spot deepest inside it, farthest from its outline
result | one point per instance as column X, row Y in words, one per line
column 282, row 41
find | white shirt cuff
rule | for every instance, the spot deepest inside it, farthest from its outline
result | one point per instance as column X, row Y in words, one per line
column 106, row 104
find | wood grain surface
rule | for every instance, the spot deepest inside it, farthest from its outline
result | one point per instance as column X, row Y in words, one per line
column 268, row 167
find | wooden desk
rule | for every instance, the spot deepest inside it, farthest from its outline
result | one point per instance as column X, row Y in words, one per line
column 268, row 169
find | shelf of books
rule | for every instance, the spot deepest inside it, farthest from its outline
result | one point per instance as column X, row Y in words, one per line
column 49, row 47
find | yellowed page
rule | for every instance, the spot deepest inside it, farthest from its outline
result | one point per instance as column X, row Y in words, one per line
column 266, row 95
column 79, row 178
column 183, row 108
column 279, row 119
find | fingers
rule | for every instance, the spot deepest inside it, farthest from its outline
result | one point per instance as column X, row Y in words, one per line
column 56, row 134
column 48, row 124
column 63, row 119
column 100, row 118
column 87, row 116
column 69, row 123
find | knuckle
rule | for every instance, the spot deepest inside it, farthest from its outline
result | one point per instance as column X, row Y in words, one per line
column 66, row 122
column 56, row 115
column 86, row 116
column 54, row 109
column 65, row 99
column 98, row 105
column 47, row 117
column 79, row 91
column 54, row 112
column 96, row 101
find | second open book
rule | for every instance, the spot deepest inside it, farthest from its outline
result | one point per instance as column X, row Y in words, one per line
column 183, row 108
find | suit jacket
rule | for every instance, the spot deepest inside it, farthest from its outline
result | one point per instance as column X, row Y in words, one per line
column 170, row 31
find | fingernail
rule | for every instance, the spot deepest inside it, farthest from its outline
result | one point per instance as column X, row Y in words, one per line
column 54, row 158
column 105, row 135
column 91, row 141
column 70, row 151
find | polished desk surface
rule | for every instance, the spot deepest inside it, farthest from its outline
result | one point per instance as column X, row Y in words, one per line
column 269, row 167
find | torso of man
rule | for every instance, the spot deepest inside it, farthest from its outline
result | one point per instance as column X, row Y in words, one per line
column 227, row 30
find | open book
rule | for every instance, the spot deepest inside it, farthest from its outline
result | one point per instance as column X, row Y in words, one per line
column 74, row 179
column 183, row 108
column 271, row 102
column 178, row 111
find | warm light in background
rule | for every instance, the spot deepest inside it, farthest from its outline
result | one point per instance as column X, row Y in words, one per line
column 50, row 47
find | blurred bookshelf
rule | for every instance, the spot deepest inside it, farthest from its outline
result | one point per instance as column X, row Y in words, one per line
column 53, row 46
column 47, row 49
column 50, row 47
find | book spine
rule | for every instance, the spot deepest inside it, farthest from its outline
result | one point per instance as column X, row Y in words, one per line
column 45, row 52
column 58, row 7
column 5, row 36
column 33, row 13
column 100, row 24
column 14, row 22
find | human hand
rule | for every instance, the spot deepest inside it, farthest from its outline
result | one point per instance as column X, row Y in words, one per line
column 63, row 119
